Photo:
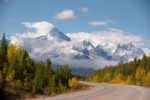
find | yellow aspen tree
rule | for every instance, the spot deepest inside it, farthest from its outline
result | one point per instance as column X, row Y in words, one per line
column 118, row 78
column 140, row 76
column 129, row 80
column 73, row 82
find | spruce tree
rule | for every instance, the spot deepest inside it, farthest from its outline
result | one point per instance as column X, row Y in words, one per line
column 51, row 89
column 3, row 52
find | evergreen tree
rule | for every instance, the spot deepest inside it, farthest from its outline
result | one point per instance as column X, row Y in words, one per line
column 61, row 88
column 51, row 89
column 47, row 72
column 3, row 52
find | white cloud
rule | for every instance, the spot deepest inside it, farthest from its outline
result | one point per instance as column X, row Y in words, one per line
column 65, row 15
column 84, row 9
column 112, row 36
column 101, row 23
column 41, row 27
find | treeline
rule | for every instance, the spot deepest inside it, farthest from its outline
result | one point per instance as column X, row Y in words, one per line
column 136, row 72
column 20, row 74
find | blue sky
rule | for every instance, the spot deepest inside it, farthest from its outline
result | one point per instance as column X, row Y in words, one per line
column 132, row 16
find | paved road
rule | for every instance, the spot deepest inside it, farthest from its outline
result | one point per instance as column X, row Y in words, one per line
column 106, row 92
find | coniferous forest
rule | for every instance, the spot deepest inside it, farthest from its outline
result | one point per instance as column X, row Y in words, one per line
column 19, row 74
column 136, row 72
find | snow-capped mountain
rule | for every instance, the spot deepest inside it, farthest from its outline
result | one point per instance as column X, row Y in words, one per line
column 125, row 52
column 63, row 49
column 90, row 51
column 54, row 34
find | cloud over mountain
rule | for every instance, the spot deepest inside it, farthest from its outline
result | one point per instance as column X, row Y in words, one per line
column 111, row 35
column 41, row 27
column 94, row 50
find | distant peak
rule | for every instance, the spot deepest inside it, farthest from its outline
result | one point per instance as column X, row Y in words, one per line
column 54, row 33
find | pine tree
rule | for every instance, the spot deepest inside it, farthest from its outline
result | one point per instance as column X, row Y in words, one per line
column 38, row 81
column 51, row 89
column 148, row 64
column 47, row 72
column 3, row 52
column 61, row 88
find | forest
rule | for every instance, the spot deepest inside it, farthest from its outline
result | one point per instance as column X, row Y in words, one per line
column 19, row 74
column 136, row 72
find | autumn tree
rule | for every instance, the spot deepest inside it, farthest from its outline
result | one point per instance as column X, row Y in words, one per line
column 147, row 80
column 73, row 82
column 118, row 78
column 96, row 78
column 140, row 76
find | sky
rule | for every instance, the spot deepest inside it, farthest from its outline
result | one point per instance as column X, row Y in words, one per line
column 72, row 16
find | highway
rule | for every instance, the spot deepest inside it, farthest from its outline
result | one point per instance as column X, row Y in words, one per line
column 103, row 91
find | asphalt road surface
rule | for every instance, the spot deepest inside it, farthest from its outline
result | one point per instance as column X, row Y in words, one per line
column 106, row 92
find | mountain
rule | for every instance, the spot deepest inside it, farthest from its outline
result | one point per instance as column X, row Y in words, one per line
column 89, row 51
column 54, row 34
column 125, row 52
column 60, row 48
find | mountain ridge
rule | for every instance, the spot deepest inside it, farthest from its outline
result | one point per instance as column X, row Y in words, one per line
column 56, row 45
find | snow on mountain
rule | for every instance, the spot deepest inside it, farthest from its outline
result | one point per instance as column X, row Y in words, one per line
column 126, row 52
column 81, row 50
column 147, row 51
column 55, row 33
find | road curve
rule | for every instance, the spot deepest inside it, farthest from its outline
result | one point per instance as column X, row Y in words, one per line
column 103, row 91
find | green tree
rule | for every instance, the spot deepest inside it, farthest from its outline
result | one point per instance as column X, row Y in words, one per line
column 3, row 52
column 51, row 89
column 61, row 88
column 48, row 72
column 38, row 82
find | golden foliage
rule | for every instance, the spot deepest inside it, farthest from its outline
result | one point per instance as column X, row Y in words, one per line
column 11, row 76
column 96, row 78
column 129, row 80
column 147, row 80
column 73, row 82
column 118, row 78
column 140, row 76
